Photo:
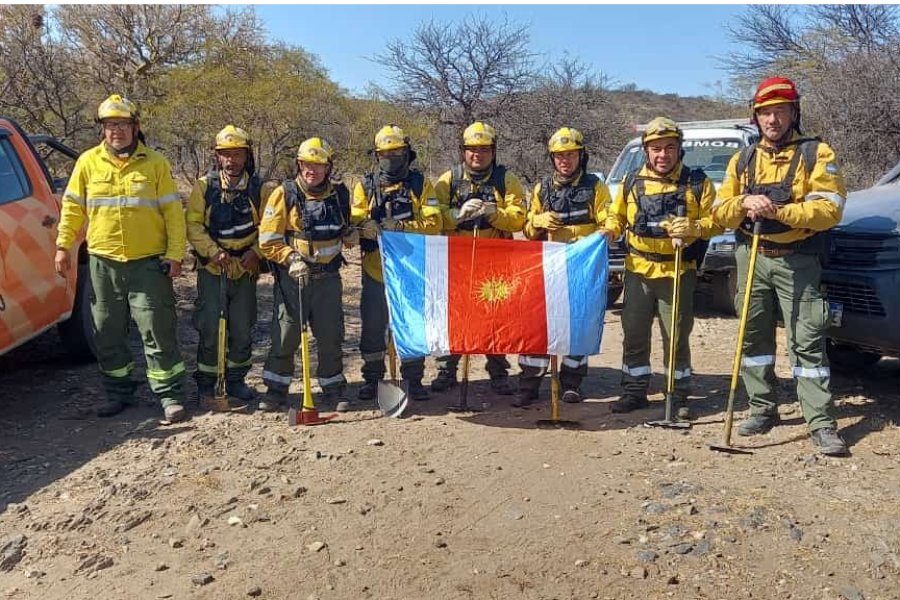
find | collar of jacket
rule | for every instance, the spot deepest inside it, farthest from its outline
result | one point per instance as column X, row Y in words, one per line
column 140, row 151
column 242, row 183
column 327, row 189
column 670, row 177
column 573, row 180
column 773, row 148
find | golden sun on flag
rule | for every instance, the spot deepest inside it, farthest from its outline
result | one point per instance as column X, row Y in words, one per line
column 495, row 290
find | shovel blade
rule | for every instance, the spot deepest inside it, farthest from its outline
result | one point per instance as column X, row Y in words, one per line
column 392, row 399
column 718, row 447
column 668, row 424
column 557, row 424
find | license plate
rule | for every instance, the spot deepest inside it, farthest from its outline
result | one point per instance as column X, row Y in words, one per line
column 836, row 314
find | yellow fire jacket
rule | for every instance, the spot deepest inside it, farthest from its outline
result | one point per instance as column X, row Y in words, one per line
column 131, row 206
column 510, row 215
column 598, row 209
column 817, row 199
column 198, row 213
column 623, row 214
column 426, row 219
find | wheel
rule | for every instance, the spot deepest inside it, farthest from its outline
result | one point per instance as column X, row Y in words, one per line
column 77, row 332
column 724, row 289
column 849, row 358
column 613, row 293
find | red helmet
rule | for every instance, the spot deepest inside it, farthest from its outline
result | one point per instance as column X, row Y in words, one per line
column 775, row 90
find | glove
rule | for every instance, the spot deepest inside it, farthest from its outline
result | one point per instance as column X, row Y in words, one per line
column 391, row 225
column 298, row 268
column 368, row 229
column 489, row 209
column 470, row 209
column 681, row 227
column 351, row 237
column 547, row 220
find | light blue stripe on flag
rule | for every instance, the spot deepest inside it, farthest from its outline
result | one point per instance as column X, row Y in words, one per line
column 587, row 264
column 403, row 260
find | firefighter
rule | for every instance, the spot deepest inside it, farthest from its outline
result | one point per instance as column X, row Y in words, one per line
column 136, row 243
column 479, row 197
column 222, row 221
column 565, row 206
column 646, row 209
column 394, row 197
column 792, row 183
column 304, row 229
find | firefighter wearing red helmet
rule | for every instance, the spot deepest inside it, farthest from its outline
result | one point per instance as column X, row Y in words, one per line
column 792, row 185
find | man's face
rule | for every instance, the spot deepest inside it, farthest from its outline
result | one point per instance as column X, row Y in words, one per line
column 232, row 160
column 119, row 133
column 776, row 120
column 478, row 158
column 662, row 154
column 313, row 173
column 566, row 163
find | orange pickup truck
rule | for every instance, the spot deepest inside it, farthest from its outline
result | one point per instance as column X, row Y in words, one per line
column 33, row 297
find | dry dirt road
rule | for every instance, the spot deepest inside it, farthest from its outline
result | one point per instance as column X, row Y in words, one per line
column 440, row 505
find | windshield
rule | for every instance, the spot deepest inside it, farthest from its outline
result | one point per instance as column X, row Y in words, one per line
column 711, row 155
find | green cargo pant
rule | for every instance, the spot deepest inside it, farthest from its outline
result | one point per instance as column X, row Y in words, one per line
column 496, row 365
column 372, row 344
column 323, row 309
column 646, row 299
column 793, row 282
column 572, row 370
column 241, row 316
column 139, row 290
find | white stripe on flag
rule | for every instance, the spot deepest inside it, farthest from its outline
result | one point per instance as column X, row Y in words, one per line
column 556, row 292
column 437, row 298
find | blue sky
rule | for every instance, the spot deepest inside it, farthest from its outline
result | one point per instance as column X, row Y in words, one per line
column 664, row 48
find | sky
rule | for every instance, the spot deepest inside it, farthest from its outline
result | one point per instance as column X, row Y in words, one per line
column 663, row 48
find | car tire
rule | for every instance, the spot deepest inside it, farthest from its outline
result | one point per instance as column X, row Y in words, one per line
column 77, row 332
column 844, row 357
column 724, row 289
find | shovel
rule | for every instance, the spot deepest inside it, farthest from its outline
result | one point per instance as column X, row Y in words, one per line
column 219, row 402
column 726, row 446
column 554, row 422
column 392, row 397
column 667, row 422
column 308, row 414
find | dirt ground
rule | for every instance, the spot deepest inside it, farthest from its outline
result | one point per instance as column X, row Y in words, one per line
column 442, row 505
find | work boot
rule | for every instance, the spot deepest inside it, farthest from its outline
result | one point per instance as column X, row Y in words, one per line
column 175, row 413
column 524, row 397
column 501, row 386
column 572, row 396
column 444, row 381
column 829, row 442
column 273, row 401
column 111, row 408
column 368, row 390
column 240, row 390
column 338, row 395
column 628, row 403
column 417, row 391
column 758, row 424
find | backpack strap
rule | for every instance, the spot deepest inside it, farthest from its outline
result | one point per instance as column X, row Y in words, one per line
column 213, row 193
column 628, row 183
column 809, row 148
column 456, row 175
column 416, row 182
column 498, row 179
column 546, row 189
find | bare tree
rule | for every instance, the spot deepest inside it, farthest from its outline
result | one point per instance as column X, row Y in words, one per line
column 460, row 70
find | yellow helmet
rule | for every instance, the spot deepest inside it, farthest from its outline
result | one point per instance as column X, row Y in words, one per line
column 232, row 137
column 315, row 150
column 390, row 137
column 661, row 127
column 565, row 139
column 117, row 107
column 479, row 133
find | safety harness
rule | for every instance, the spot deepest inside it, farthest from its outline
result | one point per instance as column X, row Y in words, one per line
column 397, row 202
column 462, row 190
column 324, row 220
column 572, row 203
column 232, row 220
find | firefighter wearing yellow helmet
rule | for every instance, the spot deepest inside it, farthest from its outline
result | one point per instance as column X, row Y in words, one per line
column 304, row 229
column 394, row 196
column 792, row 186
column 125, row 193
column 661, row 204
column 479, row 197
column 223, row 216
column 566, row 205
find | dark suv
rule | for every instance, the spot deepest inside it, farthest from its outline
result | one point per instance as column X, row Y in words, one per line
column 862, row 278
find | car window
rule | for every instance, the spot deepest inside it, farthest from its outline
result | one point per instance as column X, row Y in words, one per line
column 711, row 155
column 13, row 182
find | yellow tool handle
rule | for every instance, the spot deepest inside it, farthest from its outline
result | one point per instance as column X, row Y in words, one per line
column 307, row 380
column 554, row 388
